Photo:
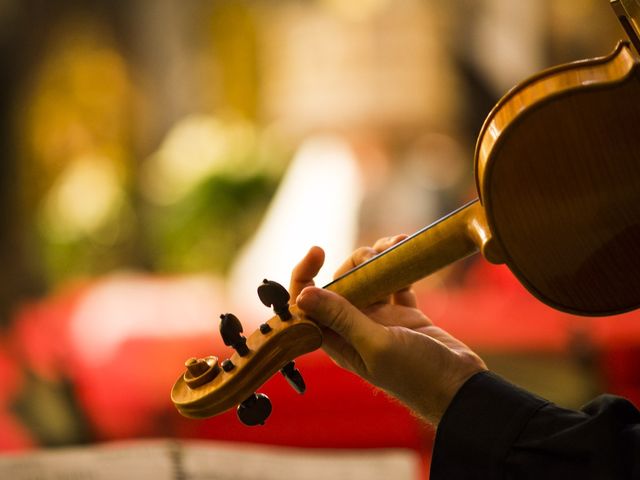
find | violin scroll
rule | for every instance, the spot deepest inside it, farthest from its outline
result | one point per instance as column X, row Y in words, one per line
column 206, row 389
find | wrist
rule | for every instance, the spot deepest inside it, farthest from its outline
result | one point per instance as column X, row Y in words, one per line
column 432, row 406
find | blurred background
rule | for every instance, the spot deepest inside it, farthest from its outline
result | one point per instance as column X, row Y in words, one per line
column 160, row 158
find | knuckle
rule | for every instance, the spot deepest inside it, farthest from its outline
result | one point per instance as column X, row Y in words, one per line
column 381, row 243
column 363, row 254
column 386, row 242
column 341, row 318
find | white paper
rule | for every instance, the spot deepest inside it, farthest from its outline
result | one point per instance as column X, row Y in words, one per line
column 148, row 460
column 202, row 460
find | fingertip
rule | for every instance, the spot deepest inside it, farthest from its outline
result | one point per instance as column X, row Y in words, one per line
column 388, row 242
column 400, row 237
column 391, row 241
column 308, row 298
column 316, row 254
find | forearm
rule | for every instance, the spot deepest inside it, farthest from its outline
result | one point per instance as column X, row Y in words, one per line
column 493, row 429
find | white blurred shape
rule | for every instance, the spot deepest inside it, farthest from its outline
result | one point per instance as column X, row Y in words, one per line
column 317, row 203
column 125, row 307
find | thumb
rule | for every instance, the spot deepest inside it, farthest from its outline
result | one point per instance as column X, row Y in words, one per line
column 335, row 312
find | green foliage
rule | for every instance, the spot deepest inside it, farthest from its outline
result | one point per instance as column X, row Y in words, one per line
column 206, row 228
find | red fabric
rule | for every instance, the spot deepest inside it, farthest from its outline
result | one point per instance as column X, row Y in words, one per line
column 13, row 435
column 10, row 375
column 337, row 410
column 126, row 395
column 492, row 311
column 621, row 371
column 40, row 334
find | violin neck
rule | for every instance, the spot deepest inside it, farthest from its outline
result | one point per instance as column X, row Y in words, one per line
column 451, row 238
column 628, row 12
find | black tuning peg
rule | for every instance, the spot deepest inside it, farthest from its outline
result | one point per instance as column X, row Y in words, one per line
column 273, row 294
column 254, row 410
column 230, row 329
column 294, row 377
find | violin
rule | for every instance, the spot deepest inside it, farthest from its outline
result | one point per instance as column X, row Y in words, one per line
column 557, row 170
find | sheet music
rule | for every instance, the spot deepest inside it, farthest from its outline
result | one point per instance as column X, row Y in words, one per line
column 202, row 460
column 144, row 461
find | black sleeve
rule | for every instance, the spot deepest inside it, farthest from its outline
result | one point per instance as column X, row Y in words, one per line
column 495, row 430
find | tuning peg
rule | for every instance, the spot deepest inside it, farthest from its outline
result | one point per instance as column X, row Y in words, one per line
column 273, row 294
column 254, row 410
column 230, row 329
column 227, row 365
column 201, row 371
column 294, row 377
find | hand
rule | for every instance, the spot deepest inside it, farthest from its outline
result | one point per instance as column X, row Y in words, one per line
column 391, row 344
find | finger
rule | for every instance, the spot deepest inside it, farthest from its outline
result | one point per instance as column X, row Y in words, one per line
column 363, row 254
column 304, row 272
column 334, row 312
column 405, row 297
column 387, row 242
column 359, row 256
column 380, row 246
column 343, row 354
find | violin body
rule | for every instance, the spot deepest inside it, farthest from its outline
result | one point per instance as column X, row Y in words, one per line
column 557, row 167
column 558, row 173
